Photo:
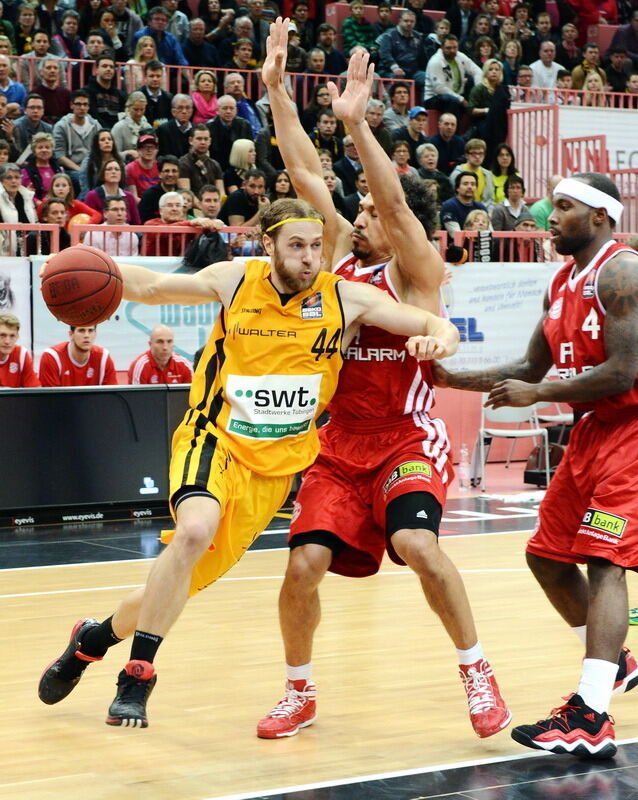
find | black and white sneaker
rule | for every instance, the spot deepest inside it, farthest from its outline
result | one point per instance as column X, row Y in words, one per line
column 63, row 675
column 134, row 686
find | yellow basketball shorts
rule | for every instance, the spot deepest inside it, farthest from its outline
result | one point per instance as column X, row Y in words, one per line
column 248, row 500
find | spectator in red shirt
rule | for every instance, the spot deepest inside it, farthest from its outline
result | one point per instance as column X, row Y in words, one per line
column 16, row 364
column 78, row 362
column 143, row 172
column 160, row 364
column 172, row 212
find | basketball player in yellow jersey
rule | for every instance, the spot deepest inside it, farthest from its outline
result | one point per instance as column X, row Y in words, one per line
column 268, row 370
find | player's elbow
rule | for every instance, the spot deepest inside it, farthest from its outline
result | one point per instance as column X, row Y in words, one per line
column 622, row 380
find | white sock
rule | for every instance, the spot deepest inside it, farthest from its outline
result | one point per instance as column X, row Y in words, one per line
column 581, row 632
column 597, row 682
column 300, row 673
column 471, row 656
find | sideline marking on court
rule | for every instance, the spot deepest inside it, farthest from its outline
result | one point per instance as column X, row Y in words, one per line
column 407, row 772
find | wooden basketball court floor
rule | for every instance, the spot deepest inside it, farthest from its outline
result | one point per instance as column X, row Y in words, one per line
column 392, row 714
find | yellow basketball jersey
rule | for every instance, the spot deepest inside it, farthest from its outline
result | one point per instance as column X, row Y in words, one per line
column 268, row 370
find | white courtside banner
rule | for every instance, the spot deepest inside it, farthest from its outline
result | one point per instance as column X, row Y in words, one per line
column 15, row 294
column 496, row 308
column 617, row 124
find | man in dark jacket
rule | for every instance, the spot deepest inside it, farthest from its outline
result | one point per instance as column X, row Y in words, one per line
column 226, row 128
column 174, row 134
column 169, row 175
column 105, row 99
column 158, row 101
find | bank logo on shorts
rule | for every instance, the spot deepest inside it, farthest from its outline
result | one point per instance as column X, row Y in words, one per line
column 604, row 522
column 312, row 307
column 407, row 471
column 271, row 406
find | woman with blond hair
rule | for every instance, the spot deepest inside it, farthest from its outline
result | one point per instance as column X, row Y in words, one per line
column 487, row 105
column 204, row 96
column 127, row 130
column 145, row 50
column 242, row 158
column 593, row 89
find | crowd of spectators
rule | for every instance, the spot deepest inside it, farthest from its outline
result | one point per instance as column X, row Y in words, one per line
column 98, row 123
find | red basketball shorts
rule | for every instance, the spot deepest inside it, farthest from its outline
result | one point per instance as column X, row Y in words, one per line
column 347, row 489
column 589, row 509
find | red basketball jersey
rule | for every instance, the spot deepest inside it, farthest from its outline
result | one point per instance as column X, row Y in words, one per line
column 574, row 328
column 16, row 371
column 145, row 370
column 58, row 368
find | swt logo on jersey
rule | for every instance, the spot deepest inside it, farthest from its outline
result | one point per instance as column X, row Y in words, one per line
column 271, row 406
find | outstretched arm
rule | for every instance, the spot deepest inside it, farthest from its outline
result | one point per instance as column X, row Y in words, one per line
column 420, row 267
column 211, row 284
column 298, row 153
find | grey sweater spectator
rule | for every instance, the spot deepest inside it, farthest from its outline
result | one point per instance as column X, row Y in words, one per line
column 26, row 127
column 505, row 215
column 74, row 133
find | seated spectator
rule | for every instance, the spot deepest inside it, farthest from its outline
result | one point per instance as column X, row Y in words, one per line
column 198, row 51
column 169, row 175
column 171, row 210
column 158, row 108
column 348, row 167
column 242, row 28
column 16, row 206
column 25, row 29
column 242, row 59
column 74, row 134
column 41, row 166
column 225, row 129
column 383, row 23
column 320, row 100
column 174, row 135
column 396, row 116
column 110, row 184
column 475, row 154
column 433, row 41
column 14, row 92
column 427, row 157
column 177, row 20
column 542, row 208
column 115, row 243
column 511, row 56
column 160, row 364
column 503, row 166
column 590, row 63
column 335, row 61
column 477, row 220
column 296, row 56
column 484, row 49
column 244, row 206
column 630, row 100
column 281, row 187
column 323, row 136
column 545, row 70
column 351, row 202
column 626, row 37
column 448, row 76
column 31, row 123
column 169, row 50
column 568, row 54
column 128, row 23
column 479, row 29
column 106, row 101
column 197, row 168
column 30, row 63
column 126, row 132
column 305, row 25
column 413, row 134
column 234, row 85
column 103, row 147
column 488, row 104
column 78, row 362
column 5, row 149
column 374, row 117
column 145, row 52
column 523, row 91
column 218, row 24
column 593, row 91
column 89, row 17
column 505, row 215
column 564, row 96
column 482, row 248
column 528, row 249
column 52, row 212
column 401, row 53
column 330, row 179
column 57, row 99
column 400, row 156
column 618, row 69
column 16, row 363
column 455, row 210
column 62, row 189
column 107, row 26
column 190, row 209
column 242, row 159
column 325, row 160
column 204, row 96
column 67, row 43
column 356, row 30
column 143, row 172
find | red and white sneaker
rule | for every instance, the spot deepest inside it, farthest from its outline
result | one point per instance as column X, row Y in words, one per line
column 627, row 675
column 488, row 712
column 296, row 710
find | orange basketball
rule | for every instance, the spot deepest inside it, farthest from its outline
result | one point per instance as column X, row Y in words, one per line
column 81, row 285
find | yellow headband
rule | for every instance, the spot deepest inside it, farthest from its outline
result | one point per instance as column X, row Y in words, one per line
column 293, row 219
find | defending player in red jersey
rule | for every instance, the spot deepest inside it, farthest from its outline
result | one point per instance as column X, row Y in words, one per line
column 159, row 364
column 16, row 364
column 77, row 362
column 588, row 516
column 380, row 479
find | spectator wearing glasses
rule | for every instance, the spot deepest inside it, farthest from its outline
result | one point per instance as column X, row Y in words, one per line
column 348, row 167
column 74, row 135
column 319, row 101
column 475, row 151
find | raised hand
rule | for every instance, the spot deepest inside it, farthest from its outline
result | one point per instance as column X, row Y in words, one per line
column 351, row 106
column 274, row 66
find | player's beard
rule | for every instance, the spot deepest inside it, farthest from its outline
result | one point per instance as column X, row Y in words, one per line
column 293, row 282
column 570, row 245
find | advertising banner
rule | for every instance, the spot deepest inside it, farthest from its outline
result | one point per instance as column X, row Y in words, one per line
column 614, row 123
column 15, row 294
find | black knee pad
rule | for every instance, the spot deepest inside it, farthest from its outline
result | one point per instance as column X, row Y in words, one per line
column 412, row 511
column 324, row 538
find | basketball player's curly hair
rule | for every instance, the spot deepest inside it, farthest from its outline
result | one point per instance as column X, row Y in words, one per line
column 420, row 202
column 286, row 208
